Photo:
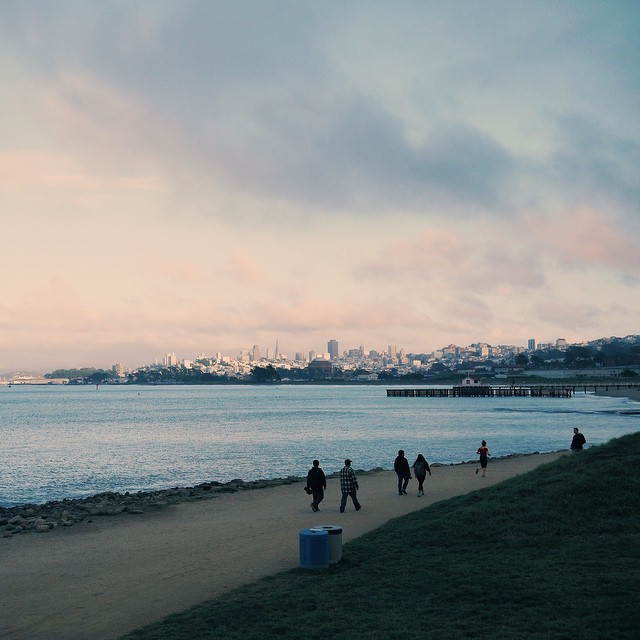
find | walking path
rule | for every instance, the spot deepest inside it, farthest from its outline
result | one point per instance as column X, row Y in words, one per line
column 102, row 579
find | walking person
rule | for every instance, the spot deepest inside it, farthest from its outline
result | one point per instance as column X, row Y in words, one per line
column 578, row 441
column 316, row 484
column 420, row 469
column 401, row 467
column 484, row 454
column 349, row 486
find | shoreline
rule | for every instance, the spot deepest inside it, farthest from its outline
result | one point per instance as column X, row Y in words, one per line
column 27, row 518
column 104, row 579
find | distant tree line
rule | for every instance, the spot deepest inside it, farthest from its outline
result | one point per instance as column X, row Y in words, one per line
column 174, row 375
column 86, row 374
column 616, row 353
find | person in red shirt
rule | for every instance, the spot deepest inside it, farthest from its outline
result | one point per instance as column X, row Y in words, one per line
column 484, row 454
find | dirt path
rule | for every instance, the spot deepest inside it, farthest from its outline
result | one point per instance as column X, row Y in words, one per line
column 103, row 579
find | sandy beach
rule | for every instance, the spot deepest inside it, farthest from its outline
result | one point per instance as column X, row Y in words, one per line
column 632, row 394
column 102, row 579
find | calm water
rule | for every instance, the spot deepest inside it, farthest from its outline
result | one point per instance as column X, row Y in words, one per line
column 62, row 442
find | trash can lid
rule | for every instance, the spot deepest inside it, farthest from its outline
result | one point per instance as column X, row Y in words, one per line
column 331, row 529
column 313, row 532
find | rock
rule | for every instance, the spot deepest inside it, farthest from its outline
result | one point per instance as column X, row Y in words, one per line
column 41, row 526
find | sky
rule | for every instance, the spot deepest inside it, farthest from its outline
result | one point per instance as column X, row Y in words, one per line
column 200, row 177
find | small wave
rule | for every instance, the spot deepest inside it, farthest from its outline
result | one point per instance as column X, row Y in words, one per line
column 551, row 411
column 601, row 412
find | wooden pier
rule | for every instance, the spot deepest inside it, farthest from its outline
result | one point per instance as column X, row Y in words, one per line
column 486, row 391
column 511, row 391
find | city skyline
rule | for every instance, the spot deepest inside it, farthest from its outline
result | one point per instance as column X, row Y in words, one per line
column 180, row 177
column 272, row 354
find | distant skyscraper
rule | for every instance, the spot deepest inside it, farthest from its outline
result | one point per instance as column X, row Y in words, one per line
column 269, row 353
column 312, row 356
column 255, row 355
column 277, row 353
column 531, row 344
column 332, row 348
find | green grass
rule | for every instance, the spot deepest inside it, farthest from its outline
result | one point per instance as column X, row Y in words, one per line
column 554, row 553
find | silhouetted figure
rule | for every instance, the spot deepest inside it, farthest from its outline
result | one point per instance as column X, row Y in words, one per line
column 401, row 467
column 578, row 441
column 484, row 454
column 316, row 484
column 420, row 469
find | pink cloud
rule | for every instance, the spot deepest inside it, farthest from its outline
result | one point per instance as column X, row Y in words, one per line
column 435, row 250
column 585, row 238
column 442, row 256
column 22, row 168
column 567, row 315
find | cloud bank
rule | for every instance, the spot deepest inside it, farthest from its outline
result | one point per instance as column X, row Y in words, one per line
column 207, row 176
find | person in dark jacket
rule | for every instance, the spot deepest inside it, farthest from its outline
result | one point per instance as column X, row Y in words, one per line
column 578, row 441
column 420, row 469
column 401, row 467
column 316, row 484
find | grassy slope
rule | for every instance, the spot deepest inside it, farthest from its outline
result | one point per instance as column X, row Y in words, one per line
column 554, row 553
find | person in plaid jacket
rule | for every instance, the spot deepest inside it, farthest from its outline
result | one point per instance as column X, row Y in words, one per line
column 348, row 486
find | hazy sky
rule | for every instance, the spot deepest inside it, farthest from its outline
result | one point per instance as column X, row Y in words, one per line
column 205, row 176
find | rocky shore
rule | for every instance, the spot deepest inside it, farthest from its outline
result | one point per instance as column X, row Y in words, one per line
column 42, row 518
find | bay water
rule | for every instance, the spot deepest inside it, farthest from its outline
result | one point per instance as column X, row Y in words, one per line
column 75, row 441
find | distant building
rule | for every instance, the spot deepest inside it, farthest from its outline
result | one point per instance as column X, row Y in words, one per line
column 332, row 348
column 320, row 369
column 366, row 377
column 255, row 354
column 531, row 344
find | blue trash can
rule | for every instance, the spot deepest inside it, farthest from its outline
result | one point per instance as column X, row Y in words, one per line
column 314, row 549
